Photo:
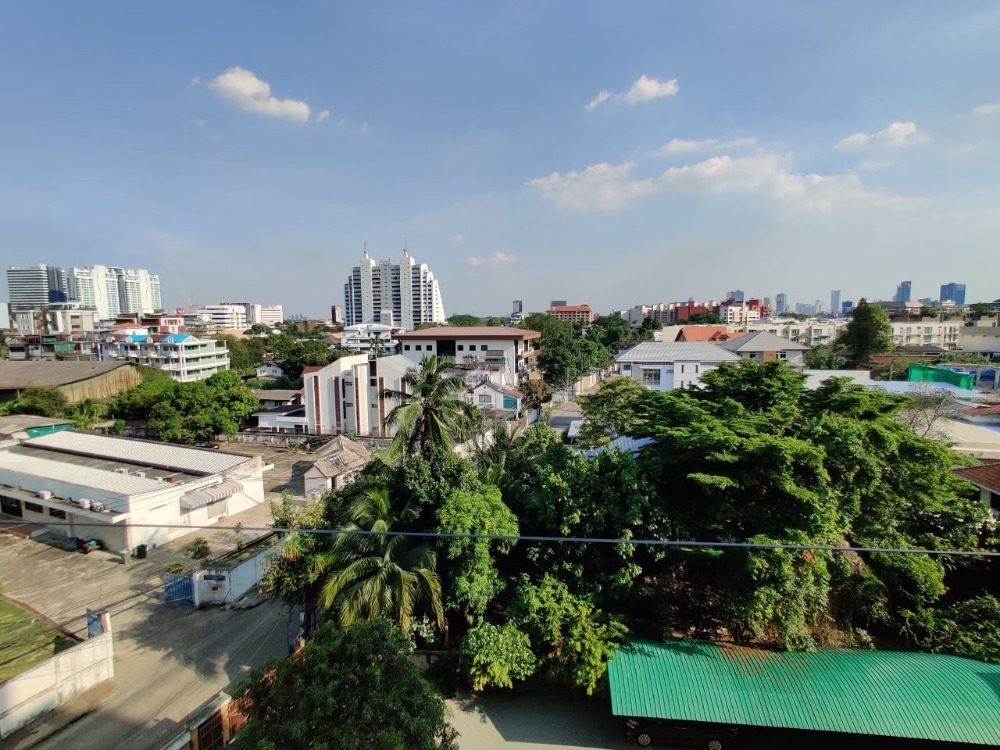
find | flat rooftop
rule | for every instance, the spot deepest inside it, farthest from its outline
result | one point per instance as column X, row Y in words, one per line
column 17, row 375
column 138, row 453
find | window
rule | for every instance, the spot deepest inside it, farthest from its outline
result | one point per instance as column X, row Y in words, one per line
column 483, row 347
column 406, row 347
column 485, row 398
column 33, row 507
column 682, row 368
column 373, row 382
column 461, row 347
column 55, row 513
column 650, row 377
column 416, row 347
column 374, row 406
column 782, row 355
column 11, row 506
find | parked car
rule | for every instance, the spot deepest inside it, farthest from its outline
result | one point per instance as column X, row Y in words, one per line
column 660, row 732
column 203, row 444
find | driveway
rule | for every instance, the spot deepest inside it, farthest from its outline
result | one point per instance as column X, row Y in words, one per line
column 543, row 720
column 169, row 659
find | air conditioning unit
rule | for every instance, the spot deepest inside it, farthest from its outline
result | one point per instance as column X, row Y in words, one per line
column 98, row 507
column 121, row 471
column 140, row 474
column 45, row 495
column 83, row 503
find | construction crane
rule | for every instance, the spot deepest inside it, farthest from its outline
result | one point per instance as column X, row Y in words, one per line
column 192, row 305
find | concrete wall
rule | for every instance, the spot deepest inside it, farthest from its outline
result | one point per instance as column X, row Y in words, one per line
column 54, row 682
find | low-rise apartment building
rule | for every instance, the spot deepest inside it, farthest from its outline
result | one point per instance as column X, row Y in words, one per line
column 55, row 318
column 511, row 353
column 572, row 313
column 369, row 337
column 927, row 332
column 983, row 337
column 812, row 332
column 664, row 366
column 181, row 355
column 121, row 491
column 345, row 396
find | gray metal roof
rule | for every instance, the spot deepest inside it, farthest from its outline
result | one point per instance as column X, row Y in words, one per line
column 44, row 467
column 275, row 394
column 762, row 341
column 657, row 352
column 37, row 373
column 141, row 452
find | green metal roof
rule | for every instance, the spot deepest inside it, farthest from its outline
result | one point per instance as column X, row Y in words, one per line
column 883, row 693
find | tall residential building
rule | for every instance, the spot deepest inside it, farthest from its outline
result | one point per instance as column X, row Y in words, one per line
column 953, row 292
column 336, row 315
column 781, row 303
column 736, row 295
column 95, row 287
column 835, row 302
column 518, row 307
column 4, row 316
column 404, row 295
column 35, row 286
column 114, row 291
column 572, row 313
column 903, row 292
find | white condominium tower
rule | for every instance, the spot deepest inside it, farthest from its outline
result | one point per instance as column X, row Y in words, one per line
column 402, row 296
column 113, row 291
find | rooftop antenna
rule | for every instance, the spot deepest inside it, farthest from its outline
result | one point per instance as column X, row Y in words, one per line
column 366, row 248
column 406, row 250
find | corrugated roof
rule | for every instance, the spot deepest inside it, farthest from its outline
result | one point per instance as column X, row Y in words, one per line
column 674, row 351
column 38, row 373
column 275, row 394
column 44, row 467
column 622, row 444
column 762, row 341
column 140, row 452
column 987, row 476
column 881, row 693
column 983, row 411
column 469, row 332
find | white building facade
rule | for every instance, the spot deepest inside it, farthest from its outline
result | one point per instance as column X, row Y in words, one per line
column 663, row 366
column 181, row 355
column 344, row 397
column 402, row 295
column 96, row 287
column 810, row 332
column 931, row 332
column 369, row 337
column 60, row 317
column 226, row 316
column 509, row 355
column 127, row 492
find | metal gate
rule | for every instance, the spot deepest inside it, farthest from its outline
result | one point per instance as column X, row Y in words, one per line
column 179, row 589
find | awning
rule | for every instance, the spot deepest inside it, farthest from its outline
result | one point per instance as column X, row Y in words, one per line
column 208, row 495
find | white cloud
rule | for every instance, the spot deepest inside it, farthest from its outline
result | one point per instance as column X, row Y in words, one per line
column 364, row 128
column 871, row 165
column 457, row 239
column 242, row 88
column 322, row 115
column 342, row 121
column 643, row 90
column 597, row 101
column 606, row 187
column 497, row 259
column 680, row 146
column 897, row 135
column 647, row 88
column 196, row 80
column 986, row 109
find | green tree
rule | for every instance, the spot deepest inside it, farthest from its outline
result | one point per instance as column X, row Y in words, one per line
column 352, row 689
column 611, row 331
column 929, row 312
column 536, row 393
column 614, row 409
column 42, row 401
column 497, row 655
column 240, row 358
column 551, row 328
column 85, row 414
column 704, row 318
column 821, row 357
column 370, row 573
column 868, row 333
column 430, row 410
column 465, row 321
column 474, row 581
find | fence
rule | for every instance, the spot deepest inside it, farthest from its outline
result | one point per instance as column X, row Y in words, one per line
column 212, row 726
column 225, row 581
column 50, row 684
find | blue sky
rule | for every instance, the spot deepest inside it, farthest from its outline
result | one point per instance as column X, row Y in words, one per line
column 255, row 146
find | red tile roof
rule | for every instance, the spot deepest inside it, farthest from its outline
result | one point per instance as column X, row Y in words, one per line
column 987, row 476
column 569, row 308
column 983, row 411
column 708, row 333
column 311, row 368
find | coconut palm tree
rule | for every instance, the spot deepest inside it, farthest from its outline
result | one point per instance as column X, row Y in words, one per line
column 373, row 575
column 430, row 410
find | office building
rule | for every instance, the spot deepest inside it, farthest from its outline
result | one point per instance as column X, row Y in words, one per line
column 846, row 307
column 835, row 302
column 402, row 295
column 4, row 316
column 903, row 292
column 35, row 286
column 736, row 295
column 572, row 313
column 781, row 303
column 255, row 314
column 518, row 307
column 225, row 316
column 953, row 292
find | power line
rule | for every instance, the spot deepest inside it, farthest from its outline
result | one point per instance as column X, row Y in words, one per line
column 683, row 543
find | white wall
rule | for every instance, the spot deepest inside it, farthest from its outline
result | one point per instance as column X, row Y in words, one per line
column 235, row 583
column 675, row 375
column 52, row 683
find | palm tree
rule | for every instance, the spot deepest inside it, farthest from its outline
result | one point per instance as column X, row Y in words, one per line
column 430, row 410
column 491, row 458
column 373, row 575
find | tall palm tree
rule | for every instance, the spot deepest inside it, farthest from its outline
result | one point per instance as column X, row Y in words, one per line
column 430, row 410
column 375, row 575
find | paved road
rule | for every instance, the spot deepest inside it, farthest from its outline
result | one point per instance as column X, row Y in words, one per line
column 169, row 659
column 536, row 721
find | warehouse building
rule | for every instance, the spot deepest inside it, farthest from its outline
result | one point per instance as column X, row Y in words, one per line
column 77, row 380
column 124, row 492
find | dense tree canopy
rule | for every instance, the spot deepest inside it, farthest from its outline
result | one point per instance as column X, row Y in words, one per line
column 868, row 333
column 349, row 689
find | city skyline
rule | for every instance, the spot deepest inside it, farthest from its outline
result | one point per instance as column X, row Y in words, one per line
column 799, row 148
